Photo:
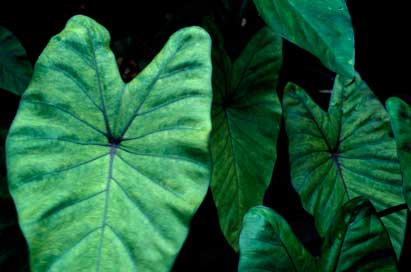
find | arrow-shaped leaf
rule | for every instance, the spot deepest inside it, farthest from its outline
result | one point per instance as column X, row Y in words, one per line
column 344, row 153
column 356, row 241
column 321, row 27
column 106, row 175
column 246, row 121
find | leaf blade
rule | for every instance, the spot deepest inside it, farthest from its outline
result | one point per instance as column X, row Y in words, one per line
column 326, row 27
column 15, row 67
column 332, row 167
column 74, row 130
column 267, row 243
column 246, row 120
column 399, row 112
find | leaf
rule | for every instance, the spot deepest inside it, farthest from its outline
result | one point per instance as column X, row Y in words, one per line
column 13, row 248
column 267, row 243
column 356, row 241
column 246, row 117
column 400, row 114
column 106, row 175
column 15, row 68
column 321, row 27
column 344, row 153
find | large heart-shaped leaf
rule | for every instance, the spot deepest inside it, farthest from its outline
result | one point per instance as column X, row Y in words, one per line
column 15, row 68
column 344, row 153
column 321, row 27
column 246, row 121
column 400, row 114
column 356, row 241
column 106, row 175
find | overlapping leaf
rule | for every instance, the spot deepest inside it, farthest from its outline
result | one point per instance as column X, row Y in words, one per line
column 356, row 241
column 106, row 175
column 246, row 121
column 321, row 27
column 15, row 68
column 400, row 114
column 344, row 153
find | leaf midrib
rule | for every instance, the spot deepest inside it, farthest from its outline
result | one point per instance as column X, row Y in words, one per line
column 235, row 163
column 113, row 149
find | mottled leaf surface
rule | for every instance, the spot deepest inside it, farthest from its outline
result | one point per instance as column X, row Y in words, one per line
column 344, row 153
column 321, row 27
column 356, row 241
column 106, row 175
column 246, row 116
column 400, row 114
column 15, row 68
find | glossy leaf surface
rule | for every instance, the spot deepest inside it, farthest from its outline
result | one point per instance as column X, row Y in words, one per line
column 344, row 153
column 106, row 175
column 321, row 27
column 400, row 114
column 246, row 121
column 15, row 68
column 356, row 241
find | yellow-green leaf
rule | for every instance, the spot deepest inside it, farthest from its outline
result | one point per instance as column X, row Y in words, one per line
column 107, row 175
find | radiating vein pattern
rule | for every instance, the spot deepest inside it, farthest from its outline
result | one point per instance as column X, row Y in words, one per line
column 246, row 116
column 106, row 175
column 343, row 153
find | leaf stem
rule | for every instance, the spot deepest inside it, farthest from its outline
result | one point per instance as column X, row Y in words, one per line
column 392, row 209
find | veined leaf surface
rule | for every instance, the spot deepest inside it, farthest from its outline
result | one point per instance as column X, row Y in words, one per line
column 15, row 68
column 356, row 241
column 321, row 27
column 344, row 153
column 106, row 175
column 246, row 117
column 400, row 114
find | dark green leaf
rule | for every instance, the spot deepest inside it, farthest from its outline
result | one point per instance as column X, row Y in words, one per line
column 321, row 27
column 356, row 241
column 267, row 243
column 400, row 114
column 246, row 121
column 106, row 175
column 15, row 68
column 343, row 153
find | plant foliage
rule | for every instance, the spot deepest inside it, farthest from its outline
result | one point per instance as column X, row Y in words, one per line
column 331, row 154
column 356, row 241
column 15, row 68
column 110, row 174
column 246, row 117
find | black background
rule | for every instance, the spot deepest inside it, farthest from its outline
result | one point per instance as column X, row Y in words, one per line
column 382, row 59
